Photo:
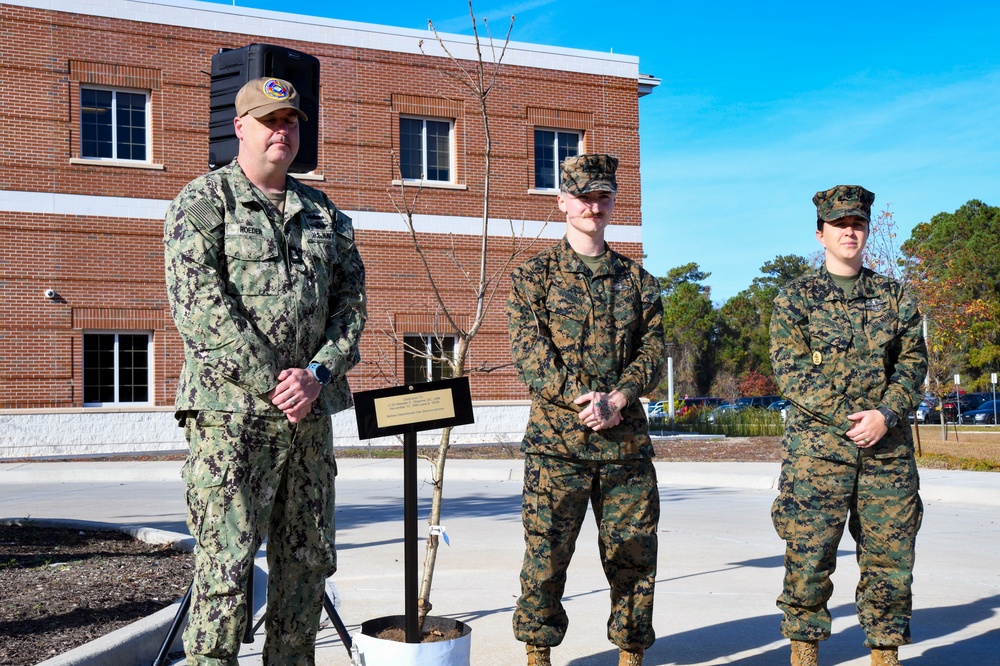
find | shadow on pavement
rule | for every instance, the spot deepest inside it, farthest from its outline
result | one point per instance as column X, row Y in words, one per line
column 724, row 641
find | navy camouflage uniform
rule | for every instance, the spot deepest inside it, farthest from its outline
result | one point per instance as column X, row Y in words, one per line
column 254, row 291
column 833, row 356
column 574, row 331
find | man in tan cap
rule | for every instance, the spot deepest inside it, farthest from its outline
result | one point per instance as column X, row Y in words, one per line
column 267, row 291
column 847, row 350
column 587, row 338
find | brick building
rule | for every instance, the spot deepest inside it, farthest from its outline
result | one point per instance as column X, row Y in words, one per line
column 106, row 113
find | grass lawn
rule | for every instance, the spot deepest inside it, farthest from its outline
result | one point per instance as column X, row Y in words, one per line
column 964, row 447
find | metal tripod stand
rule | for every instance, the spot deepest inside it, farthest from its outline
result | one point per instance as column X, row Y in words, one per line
column 251, row 628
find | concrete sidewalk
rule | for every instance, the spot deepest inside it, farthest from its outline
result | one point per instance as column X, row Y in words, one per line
column 720, row 560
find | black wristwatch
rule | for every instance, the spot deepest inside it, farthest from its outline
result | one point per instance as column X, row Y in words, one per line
column 891, row 417
column 320, row 373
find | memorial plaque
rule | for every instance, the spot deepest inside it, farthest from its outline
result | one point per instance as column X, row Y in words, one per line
column 413, row 408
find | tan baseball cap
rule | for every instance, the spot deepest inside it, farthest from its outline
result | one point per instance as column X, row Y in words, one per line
column 262, row 96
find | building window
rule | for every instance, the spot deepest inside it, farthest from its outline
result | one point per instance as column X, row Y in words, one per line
column 115, row 368
column 425, row 149
column 423, row 357
column 551, row 148
column 114, row 124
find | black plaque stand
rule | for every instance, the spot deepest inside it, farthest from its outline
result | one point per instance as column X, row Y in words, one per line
column 406, row 410
column 411, row 580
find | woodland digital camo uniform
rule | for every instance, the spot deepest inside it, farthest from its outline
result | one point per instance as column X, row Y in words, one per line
column 252, row 294
column 573, row 332
column 834, row 356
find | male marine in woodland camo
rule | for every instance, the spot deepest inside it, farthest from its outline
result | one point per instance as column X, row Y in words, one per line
column 586, row 335
column 267, row 291
column 847, row 350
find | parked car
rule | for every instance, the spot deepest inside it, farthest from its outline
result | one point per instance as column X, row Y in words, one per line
column 656, row 408
column 699, row 404
column 704, row 402
column 723, row 409
column 951, row 407
column 984, row 413
column 782, row 406
column 923, row 410
column 762, row 401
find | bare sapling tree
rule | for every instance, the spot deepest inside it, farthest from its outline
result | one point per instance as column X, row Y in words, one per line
column 882, row 252
column 476, row 80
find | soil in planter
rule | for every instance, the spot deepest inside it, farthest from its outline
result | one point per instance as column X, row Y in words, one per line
column 398, row 634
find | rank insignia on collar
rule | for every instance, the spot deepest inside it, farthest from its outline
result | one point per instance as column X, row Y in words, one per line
column 817, row 358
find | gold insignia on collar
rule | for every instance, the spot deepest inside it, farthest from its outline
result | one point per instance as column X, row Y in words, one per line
column 817, row 358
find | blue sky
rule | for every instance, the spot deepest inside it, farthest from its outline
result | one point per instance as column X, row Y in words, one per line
column 763, row 103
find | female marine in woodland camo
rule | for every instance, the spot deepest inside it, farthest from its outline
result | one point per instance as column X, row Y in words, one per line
column 847, row 350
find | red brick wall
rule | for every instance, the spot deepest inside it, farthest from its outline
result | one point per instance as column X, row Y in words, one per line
column 108, row 271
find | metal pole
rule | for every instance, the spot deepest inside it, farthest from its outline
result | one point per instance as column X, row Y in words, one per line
column 410, row 534
column 670, row 389
column 175, row 626
column 994, row 378
column 249, row 629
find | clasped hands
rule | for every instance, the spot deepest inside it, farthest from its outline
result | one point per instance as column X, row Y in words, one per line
column 604, row 410
column 868, row 428
column 295, row 393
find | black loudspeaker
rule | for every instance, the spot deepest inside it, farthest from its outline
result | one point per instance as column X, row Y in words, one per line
column 232, row 68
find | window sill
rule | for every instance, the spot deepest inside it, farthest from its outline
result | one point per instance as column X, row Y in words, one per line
column 117, row 163
column 550, row 193
column 437, row 184
column 308, row 176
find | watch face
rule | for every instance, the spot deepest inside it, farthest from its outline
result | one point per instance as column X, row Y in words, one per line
column 322, row 374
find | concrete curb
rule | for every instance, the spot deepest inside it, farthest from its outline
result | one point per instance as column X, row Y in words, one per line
column 135, row 644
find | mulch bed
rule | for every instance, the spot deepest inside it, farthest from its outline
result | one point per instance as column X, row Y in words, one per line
column 63, row 587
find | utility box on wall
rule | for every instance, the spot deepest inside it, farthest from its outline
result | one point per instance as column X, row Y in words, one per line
column 232, row 68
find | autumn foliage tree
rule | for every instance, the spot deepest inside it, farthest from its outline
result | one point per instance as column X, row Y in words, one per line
column 955, row 273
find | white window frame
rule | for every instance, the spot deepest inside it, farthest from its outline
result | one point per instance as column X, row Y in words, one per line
column 429, row 340
column 423, row 149
column 117, row 368
column 114, row 125
column 554, row 154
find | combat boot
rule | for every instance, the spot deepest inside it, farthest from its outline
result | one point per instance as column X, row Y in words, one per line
column 628, row 658
column 538, row 655
column 885, row 656
column 805, row 653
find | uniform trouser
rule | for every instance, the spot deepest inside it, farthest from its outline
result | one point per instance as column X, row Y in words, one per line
column 248, row 476
column 626, row 506
column 878, row 501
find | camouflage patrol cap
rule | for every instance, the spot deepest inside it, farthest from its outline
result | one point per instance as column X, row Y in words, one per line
column 262, row 96
column 844, row 201
column 589, row 173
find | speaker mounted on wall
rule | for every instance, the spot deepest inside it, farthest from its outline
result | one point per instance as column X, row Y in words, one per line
column 232, row 68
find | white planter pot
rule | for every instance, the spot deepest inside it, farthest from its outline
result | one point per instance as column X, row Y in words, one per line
column 373, row 651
